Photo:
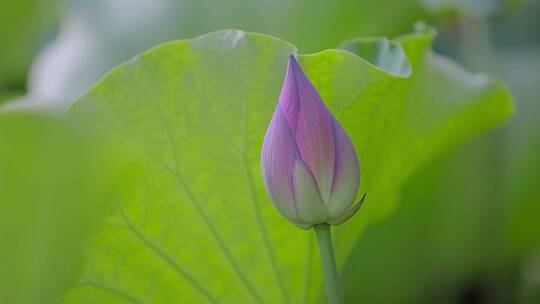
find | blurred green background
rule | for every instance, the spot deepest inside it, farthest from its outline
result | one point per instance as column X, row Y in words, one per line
column 467, row 229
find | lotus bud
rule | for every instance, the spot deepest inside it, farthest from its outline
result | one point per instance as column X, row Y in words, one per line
column 309, row 165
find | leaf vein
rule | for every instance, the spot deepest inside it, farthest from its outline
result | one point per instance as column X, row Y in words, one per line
column 170, row 261
column 112, row 290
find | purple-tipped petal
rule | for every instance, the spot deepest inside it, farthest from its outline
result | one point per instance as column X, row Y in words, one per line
column 277, row 163
column 311, row 124
column 310, row 206
column 346, row 173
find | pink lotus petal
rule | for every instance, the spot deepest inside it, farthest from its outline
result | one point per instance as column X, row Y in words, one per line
column 311, row 124
column 277, row 161
column 346, row 174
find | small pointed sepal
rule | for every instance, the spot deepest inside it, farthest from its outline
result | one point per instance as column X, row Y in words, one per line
column 349, row 213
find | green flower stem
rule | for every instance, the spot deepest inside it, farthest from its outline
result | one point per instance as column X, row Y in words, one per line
column 326, row 250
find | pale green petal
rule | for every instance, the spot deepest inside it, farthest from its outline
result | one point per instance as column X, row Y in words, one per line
column 309, row 204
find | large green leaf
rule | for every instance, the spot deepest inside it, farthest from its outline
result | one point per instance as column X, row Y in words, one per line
column 200, row 228
column 55, row 182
